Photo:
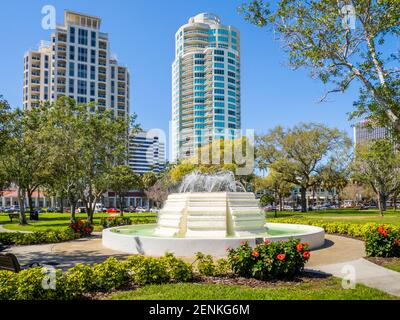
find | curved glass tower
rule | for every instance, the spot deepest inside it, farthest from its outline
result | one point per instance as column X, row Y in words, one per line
column 205, row 84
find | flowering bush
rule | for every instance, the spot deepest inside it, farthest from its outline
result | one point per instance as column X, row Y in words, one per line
column 110, row 222
column 382, row 241
column 81, row 228
column 269, row 260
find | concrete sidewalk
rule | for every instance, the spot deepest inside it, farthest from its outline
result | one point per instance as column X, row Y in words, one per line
column 367, row 273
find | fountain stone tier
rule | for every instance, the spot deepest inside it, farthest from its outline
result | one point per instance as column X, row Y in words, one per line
column 215, row 214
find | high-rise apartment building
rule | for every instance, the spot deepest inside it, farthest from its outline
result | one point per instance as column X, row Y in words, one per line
column 76, row 63
column 366, row 131
column 146, row 151
column 205, row 84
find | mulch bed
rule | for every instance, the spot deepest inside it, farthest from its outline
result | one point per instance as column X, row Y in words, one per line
column 383, row 261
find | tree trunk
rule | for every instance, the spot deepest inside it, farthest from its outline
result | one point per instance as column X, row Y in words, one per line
column 21, row 202
column 121, row 198
column 382, row 203
column 61, row 205
column 303, row 199
column 280, row 204
column 72, row 207
column 30, row 202
column 395, row 202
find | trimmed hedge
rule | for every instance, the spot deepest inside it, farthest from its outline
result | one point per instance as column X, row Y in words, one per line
column 37, row 237
column 350, row 229
column 109, row 222
column 82, row 279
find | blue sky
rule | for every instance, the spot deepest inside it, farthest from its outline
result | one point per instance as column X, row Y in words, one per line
column 142, row 37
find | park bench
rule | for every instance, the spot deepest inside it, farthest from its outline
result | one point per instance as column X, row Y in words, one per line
column 9, row 262
column 13, row 215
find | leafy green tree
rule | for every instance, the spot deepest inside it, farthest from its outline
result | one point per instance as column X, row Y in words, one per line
column 318, row 35
column 298, row 154
column 148, row 179
column 24, row 155
column 378, row 165
column 5, row 115
column 334, row 179
column 121, row 179
column 85, row 147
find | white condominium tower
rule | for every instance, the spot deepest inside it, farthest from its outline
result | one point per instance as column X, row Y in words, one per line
column 76, row 63
column 205, row 84
column 146, row 151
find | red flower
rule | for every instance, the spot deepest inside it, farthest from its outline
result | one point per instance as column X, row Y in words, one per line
column 380, row 229
column 255, row 253
column 241, row 242
column 306, row 255
column 281, row 256
column 384, row 233
column 266, row 241
column 299, row 247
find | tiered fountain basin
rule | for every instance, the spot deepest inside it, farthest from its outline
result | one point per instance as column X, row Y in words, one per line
column 209, row 222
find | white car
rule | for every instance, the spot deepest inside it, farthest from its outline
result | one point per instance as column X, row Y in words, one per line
column 154, row 210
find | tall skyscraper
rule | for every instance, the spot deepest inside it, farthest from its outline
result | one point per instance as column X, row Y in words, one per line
column 205, row 84
column 366, row 131
column 76, row 63
column 146, row 151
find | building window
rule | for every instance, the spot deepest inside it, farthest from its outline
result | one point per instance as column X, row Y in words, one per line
column 92, row 88
column 82, row 54
column 82, row 37
column 82, row 87
column 71, row 69
column 72, row 35
column 71, row 85
column 93, row 39
column 71, row 52
column 82, row 70
column 93, row 73
column 92, row 56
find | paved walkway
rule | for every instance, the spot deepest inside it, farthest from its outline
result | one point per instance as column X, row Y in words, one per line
column 337, row 257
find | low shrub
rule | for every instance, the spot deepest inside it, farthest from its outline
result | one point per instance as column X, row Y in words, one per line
column 75, row 282
column 207, row 266
column 109, row 222
column 269, row 260
column 37, row 237
column 8, row 285
column 149, row 270
column 350, row 229
column 81, row 228
column 109, row 275
column 82, row 279
column 177, row 269
column 382, row 241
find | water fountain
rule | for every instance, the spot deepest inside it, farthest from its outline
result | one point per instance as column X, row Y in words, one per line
column 209, row 214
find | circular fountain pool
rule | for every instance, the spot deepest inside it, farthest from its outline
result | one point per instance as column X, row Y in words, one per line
column 142, row 239
column 210, row 214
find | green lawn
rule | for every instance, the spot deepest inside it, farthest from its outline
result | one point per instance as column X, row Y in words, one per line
column 342, row 215
column 323, row 289
column 61, row 220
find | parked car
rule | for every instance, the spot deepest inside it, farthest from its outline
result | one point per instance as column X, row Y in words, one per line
column 1, row 209
column 12, row 209
column 154, row 210
column 140, row 209
column 81, row 210
column 112, row 210
column 52, row 209
column 130, row 209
